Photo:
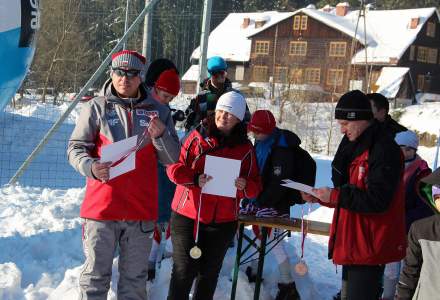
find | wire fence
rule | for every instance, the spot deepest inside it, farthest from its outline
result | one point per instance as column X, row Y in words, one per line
column 28, row 118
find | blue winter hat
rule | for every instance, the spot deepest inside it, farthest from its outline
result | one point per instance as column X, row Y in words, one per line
column 216, row 63
column 407, row 138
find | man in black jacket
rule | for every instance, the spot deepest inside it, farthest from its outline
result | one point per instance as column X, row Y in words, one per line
column 212, row 88
column 380, row 107
column 279, row 157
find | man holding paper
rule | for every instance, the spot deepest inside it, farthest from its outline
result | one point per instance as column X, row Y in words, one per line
column 204, row 218
column 119, row 209
column 368, row 228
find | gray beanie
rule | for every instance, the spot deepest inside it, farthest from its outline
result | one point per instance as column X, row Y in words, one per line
column 128, row 59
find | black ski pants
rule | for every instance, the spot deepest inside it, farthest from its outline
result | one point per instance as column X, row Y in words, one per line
column 361, row 282
column 214, row 240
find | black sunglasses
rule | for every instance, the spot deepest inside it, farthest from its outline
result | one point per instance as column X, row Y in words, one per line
column 126, row 73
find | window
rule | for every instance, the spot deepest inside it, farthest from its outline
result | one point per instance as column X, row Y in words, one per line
column 430, row 29
column 280, row 74
column 313, row 75
column 260, row 73
column 296, row 22
column 335, row 77
column 296, row 76
column 239, row 73
column 432, row 55
column 337, row 49
column 422, row 54
column 421, row 82
column 304, row 22
column 298, row 48
column 412, row 52
column 262, row 47
column 300, row 22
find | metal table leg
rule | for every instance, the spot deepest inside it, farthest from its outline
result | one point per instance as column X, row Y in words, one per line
column 260, row 263
column 237, row 261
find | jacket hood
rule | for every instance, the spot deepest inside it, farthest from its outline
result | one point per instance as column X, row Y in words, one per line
column 291, row 138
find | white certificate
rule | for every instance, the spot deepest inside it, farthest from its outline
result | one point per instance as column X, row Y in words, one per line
column 223, row 171
column 298, row 186
column 124, row 150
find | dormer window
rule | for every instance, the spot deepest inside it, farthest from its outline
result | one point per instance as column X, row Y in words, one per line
column 300, row 22
column 430, row 29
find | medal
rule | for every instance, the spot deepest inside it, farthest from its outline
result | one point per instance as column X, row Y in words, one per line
column 301, row 268
column 195, row 252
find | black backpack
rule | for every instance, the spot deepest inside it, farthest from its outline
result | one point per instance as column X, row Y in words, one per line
column 305, row 170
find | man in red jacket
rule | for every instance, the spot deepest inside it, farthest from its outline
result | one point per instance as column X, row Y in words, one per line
column 368, row 228
column 120, row 212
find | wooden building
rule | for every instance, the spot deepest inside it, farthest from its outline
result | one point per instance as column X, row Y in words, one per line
column 329, row 51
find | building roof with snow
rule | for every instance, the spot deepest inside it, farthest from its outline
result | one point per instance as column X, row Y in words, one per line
column 230, row 38
column 388, row 33
column 387, row 37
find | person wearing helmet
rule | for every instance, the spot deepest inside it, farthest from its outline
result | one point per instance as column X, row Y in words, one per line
column 217, row 83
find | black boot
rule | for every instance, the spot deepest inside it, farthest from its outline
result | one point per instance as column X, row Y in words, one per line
column 287, row 291
column 337, row 296
column 251, row 277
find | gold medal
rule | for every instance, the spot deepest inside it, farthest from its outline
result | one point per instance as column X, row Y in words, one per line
column 301, row 268
column 195, row 252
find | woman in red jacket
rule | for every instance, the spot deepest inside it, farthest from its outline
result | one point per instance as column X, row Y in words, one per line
column 223, row 135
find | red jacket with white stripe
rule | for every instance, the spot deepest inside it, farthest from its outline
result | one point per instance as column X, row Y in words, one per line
column 191, row 163
column 366, row 230
column 108, row 119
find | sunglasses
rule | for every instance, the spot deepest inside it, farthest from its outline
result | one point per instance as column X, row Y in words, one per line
column 215, row 73
column 126, row 73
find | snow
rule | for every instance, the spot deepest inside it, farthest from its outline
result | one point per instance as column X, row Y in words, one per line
column 422, row 117
column 192, row 74
column 40, row 229
column 230, row 41
column 389, row 80
column 384, row 25
column 233, row 43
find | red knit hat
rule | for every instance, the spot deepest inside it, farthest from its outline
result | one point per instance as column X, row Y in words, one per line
column 262, row 121
column 169, row 82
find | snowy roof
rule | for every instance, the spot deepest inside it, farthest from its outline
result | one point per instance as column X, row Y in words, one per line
column 388, row 33
column 192, row 74
column 342, row 24
column 229, row 40
column 389, row 80
column 391, row 33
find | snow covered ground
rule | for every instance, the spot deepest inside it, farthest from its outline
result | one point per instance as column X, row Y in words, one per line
column 40, row 231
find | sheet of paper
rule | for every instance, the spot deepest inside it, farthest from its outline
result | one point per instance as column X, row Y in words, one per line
column 224, row 171
column 298, row 186
column 116, row 151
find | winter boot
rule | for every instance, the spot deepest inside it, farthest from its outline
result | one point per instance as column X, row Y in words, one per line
column 287, row 291
column 337, row 296
column 250, row 275
column 151, row 275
